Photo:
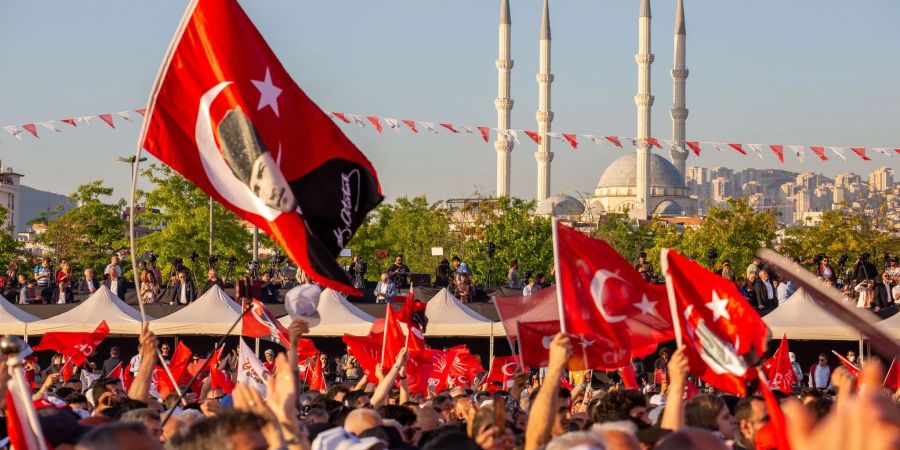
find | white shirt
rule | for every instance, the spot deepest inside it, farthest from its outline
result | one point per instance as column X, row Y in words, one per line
column 184, row 298
column 90, row 285
column 62, row 296
column 114, row 285
column 770, row 293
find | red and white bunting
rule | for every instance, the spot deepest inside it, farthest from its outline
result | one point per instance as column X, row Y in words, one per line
column 450, row 127
column 737, row 147
column 798, row 152
column 49, row 125
column 429, row 126
column 757, row 149
column 485, row 133
column 820, row 152
column 838, row 151
column 107, row 118
column 694, row 146
column 779, row 151
column 11, row 129
column 393, row 124
column 571, row 139
column 615, row 141
column 375, row 122
column 412, row 125
column 533, row 135
column 124, row 115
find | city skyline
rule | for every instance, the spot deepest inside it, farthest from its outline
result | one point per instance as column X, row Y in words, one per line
column 792, row 83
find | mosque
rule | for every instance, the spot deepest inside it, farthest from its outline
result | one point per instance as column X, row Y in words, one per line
column 642, row 183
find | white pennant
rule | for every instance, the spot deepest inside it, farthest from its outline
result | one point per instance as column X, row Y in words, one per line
column 556, row 135
column 593, row 139
column 884, row 152
column 357, row 119
column 468, row 128
column 838, row 151
column 756, row 148
column 394, row 124
column 124, row 115
column 429, row 126
column 798, row 151
column 251, row 371
column 515, row 136
column 717, row 146
column 84, row 119
column 49, row 125
column 11, row 129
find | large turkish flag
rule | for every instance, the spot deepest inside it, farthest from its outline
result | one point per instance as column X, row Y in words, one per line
column 226, row 114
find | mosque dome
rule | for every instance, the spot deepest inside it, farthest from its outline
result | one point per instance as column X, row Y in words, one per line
column 560, row 205
column 622, row 173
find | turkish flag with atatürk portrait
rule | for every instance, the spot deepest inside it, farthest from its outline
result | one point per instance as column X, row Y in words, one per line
column 226, row 114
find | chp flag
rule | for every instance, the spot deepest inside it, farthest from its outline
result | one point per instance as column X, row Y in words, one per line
column 605, row 302
column 226, row 115
column 723, row 335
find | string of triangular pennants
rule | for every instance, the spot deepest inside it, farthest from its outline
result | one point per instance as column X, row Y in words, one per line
column 571, row 139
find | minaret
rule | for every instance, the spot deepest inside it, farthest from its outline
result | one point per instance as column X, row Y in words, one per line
column 644, row 101
column 504, row 104
column 544, row 116
column 679, row 80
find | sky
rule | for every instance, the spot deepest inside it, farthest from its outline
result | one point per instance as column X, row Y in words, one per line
column 810, row 72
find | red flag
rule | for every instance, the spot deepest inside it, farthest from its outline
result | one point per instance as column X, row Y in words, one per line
column 534, row 136
column 217, row 377
column 316, row 375
column 738, row 147
column 606, row 301
column 693, row 145
column 449, row 127
column 485, row 133
column 534, row 341
column 464, row 367
column 76, row 345
column 179, row 361
column 31, row 129
column 413, row 311
column 654, row 142
column 861, row 152
column 776, row 417
column 852, row 368
column 341, row 116
column 118, row 372
column 820, row 151
column 615, row 141
column 107, row 118
column 227, row 115
column 503, row 368
column 367, row 352
column 778, row 368
column 393, row 339
column 375, row 122
column 259, row 322
column 690, row 390
column 538, row 307
column 411, row 124
column 66, row 372
column 70, row 122
column 629, row 377
column 723, row 334
column 892, row 379
column 22, row 433
column 419, row 370
column 572, row 139
column 779, row 152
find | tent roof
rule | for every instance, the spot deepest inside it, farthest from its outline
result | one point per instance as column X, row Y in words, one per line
column 213, row 313
column 13, row 319
column 800, row 317
column 102, row 305
column 890, row 326
column 338, row 316
column 447, row 316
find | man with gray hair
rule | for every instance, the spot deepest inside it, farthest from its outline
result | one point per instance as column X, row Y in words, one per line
column 147, row 417
column 118, row 435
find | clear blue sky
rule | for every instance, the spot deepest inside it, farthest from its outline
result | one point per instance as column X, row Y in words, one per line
column 799, row 72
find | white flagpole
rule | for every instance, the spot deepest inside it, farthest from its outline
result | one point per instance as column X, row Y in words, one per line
column 24, row 394
column 559, row 299
column 670, row 290
column 169, row 373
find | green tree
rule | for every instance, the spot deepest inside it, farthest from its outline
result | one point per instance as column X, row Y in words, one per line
column 9, row 246
column 842, row 231
column 627, row 236
column 89, row 233
column 178, row 216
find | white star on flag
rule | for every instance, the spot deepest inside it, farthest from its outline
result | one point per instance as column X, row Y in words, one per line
column 717, row 306
column 268, row 93
column 646, row 306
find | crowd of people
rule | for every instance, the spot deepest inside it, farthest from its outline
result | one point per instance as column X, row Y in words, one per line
column 531, row 410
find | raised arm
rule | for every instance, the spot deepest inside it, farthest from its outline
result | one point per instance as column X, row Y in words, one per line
column 673, row 414
column 140, row 387
column 540, row 419
column 383, row 391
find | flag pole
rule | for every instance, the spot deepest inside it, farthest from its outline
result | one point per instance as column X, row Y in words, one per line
column 169, row 374
column 12, row 347
column 670, row 290
column 559, row 299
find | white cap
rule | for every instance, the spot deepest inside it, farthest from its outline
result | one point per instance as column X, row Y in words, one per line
column 302, row 302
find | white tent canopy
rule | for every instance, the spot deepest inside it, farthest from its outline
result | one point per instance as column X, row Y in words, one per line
column 447, row 316
column 13, row 320
column 800, row 317
column 102, row 305
column 338, row 316
column 890, row 326
column 213, row 313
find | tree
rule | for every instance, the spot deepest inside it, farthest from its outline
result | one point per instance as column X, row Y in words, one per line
column 624, row 235
column 9, row 246
column 89, row 233
column 177, row 212
column 842, row 232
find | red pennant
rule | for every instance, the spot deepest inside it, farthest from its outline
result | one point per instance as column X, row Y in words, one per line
column 375, row 122
column 779, row 370
column 503, row 368
column 70, row 122
column 776, row 418
column 218, row 378
column 628, row 377
column 66, row 371
column 892, row 379
column 861, row 152
column 654, row 142
column 779, row 151
column 411, row 124
column 572, row 139
column 76, row 345
column 852, row 368
column 107, row 118
column 392, row 339
column 693, row 145
column 722, row 333
column 738, row 147
column 485, row 133
column 341, row 116
column 897, row 150
column 820, row 151
column 606, row 302
column 367, row 352
column 316, row 375
column 534, row 136
column 615, row 141
column 29, row 127
column 534, row 341
column 141, row 111
column 449, row 127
